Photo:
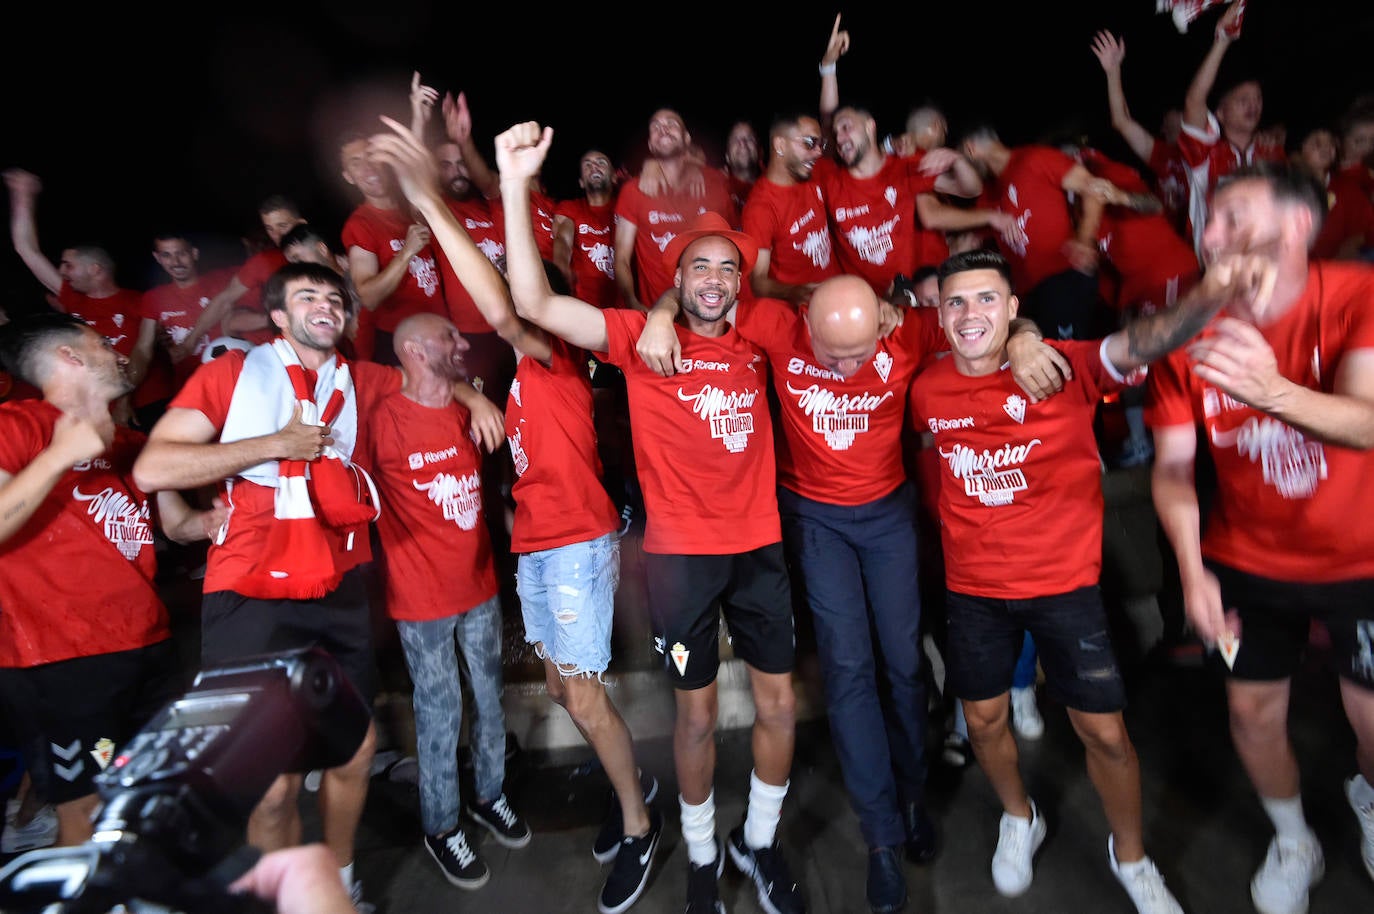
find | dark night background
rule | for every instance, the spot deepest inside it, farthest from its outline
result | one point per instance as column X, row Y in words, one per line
column 140, row 116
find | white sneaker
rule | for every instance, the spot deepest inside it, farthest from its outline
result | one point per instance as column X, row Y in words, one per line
column 1017, row 841
column 41, row 830
column 1366, row 816
column 1144, row 884
column 1290, row 869
column 1025, row 714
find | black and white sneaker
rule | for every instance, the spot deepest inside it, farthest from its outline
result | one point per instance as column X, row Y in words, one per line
column 630, row 873
column 497, row 816
column 703, row 885
column 457, row 859
column 607, row 843
column 778, row 891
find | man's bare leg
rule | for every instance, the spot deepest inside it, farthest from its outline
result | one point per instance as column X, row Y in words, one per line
column 276, row 821
column 74, row 824
column 774, row 734
column 989, row 733
column 343, row 793
column 1115, row 771
column 694, row 742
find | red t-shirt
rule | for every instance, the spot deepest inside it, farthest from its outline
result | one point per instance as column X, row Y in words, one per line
column 176, row 310
column 841, row 437
column 436, row 551
column 1031, row 190
column 1349, row 213
column 254, row 273
column 703, row 442
column 209, row 392
column 1208, row 157
column 1170, row 175
column 877, row 234
column 790, row 222
column 593, row 251
column 1287, row 507
column 657, row 220
column 1154, row 265
column 1020, row 482
column 118, row 319
column 542, row 208
column 482, row 222
column 559, row 496
column 383, row 233
column 78, row 578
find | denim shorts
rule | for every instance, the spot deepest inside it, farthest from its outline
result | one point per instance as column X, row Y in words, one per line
column 1070, row 631
column 567, row 596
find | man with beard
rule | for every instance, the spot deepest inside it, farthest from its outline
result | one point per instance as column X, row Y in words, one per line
column 68, row 501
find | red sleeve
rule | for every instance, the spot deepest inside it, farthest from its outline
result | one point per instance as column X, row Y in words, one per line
column 765, row 321
column 211, row 387
column 1168, row 399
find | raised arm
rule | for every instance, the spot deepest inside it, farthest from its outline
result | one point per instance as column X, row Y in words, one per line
column 422, row 101
column 1111, row 53
column 835, row 48
column 24, row 188
column 1195, row 102
column 182, row 452
column 419, row 179
column 458, row 126
column 520, row 153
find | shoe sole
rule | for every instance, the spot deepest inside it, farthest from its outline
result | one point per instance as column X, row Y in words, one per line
column 457, row 880
column 606, row 856
column 504, row 841
column 639, row 889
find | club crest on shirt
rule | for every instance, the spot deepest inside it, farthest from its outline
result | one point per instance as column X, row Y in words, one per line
column 890, row 195
column 882, row 362
column 515, row 393
column 1016, row 408
column 103, row 752
column 679, row 653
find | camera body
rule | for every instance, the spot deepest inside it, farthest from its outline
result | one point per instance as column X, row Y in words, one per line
column 176, row 799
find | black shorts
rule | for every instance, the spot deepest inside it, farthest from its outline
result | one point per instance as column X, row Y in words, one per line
column 1070, row 633
column 688, row 594
column 234, row 626
column 69, row 717
column 1276, row 618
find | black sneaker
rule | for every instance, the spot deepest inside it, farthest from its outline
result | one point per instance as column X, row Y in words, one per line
column 631, row 871
column 457, row 859
column 703, row 885
column 607, row 842
column 778, row 891
column 922, row 841
column 886, row 884
column 509, row 829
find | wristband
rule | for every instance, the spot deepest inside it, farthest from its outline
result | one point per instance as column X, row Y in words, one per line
column 826, row 69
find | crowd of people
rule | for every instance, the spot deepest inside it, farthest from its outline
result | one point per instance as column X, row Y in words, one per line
column 890, row 355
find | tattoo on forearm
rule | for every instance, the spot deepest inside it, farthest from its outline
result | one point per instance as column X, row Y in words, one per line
column 1161, row 333
column 16, row 510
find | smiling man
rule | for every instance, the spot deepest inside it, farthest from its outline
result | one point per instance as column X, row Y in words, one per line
column 1021, row 524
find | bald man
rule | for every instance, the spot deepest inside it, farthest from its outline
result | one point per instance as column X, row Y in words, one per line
column 440, row 585
column 841, row 368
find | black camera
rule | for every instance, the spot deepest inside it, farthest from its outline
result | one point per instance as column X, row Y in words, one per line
column 169, row 834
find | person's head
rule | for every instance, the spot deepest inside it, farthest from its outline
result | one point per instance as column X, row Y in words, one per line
column 842, row 320
column 303, row 244
column 797, row 143
column 279, row 215
column 453, row 171
column 428, row 344
column 668, row 136
column 1314, row 148
column 373, row 180
column 595, row 173
column 1266, row 206
column 308, row 303
column 1357, row 136
column 856, row 134
column 925, row 285
column 927, row 126
column 177, row 256
column 742, row 149
column 976, row 309
column 982, row 146
column 87, row 269
column 710, row 260
column 53, row 351
column 1239, row 108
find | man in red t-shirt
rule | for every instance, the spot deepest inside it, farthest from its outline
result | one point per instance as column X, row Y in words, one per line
column 174, row 307
column 1021, row 524
column 584, row 233
column 68, row 501
column 279, row 575
column 704, row 446
column 1283, row 388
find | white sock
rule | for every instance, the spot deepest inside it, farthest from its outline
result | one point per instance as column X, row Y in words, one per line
column 765, row 809
column 1361, row 791
column 346, row 874
column 1286, row 814
column 699, row 829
